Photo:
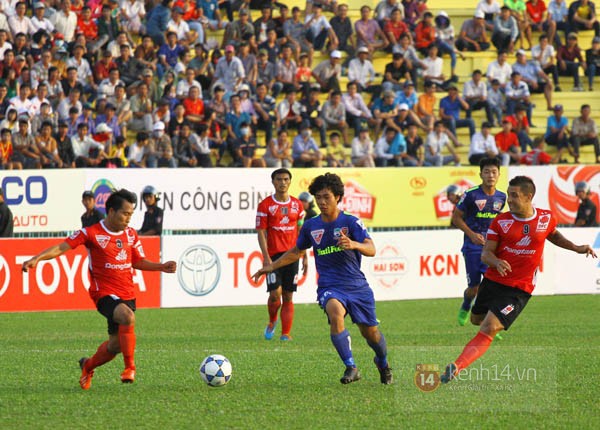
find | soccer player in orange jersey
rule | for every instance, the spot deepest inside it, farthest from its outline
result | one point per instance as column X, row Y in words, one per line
column 513, row 253
column 114, row 251
column 278, row 220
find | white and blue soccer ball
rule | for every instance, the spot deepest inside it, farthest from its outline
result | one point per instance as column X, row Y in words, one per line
column 215, row 370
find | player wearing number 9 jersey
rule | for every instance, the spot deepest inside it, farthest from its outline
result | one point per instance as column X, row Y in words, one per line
column 114, row 252
column 513, row 252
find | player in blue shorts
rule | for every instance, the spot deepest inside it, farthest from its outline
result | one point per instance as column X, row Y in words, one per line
column 339, row 241
column 473, row 215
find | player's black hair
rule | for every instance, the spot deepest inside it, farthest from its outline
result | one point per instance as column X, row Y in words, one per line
column 489, row 162
column 525, row 183
column 329, row 181
column 116, row 199
column 280, row 172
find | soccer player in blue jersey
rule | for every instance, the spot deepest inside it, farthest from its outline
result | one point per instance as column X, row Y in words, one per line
column 473, row 215
column 339, row 241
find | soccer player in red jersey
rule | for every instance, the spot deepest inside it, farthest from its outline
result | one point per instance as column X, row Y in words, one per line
column 513, row 252
column 114, row 251
column 278, row 220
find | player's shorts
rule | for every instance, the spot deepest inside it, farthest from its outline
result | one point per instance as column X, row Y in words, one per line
column 285, row 277
column 360, row 304
column 106, row 306
column 474, row 266
column 503, row 301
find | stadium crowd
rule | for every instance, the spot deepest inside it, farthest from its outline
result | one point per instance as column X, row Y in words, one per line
column 183, row 83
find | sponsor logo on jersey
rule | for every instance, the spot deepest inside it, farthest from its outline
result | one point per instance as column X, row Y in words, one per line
column 295, row 207
column 524, row 242
column 284, row 220
column 121, row 256
column 119, row 243
column 130, row 237
column 543, row 223
column 317, row 235
column 102, row 240
column 480, row 204
column 284, row 210
column 506, row 224
column 74, row 235
column 508, row 309
column 497, row 205
column 273, row 209
column 337, row 232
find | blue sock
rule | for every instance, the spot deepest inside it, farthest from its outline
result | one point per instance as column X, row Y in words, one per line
column 466, row 304
column 380, row 349
column 343, row 346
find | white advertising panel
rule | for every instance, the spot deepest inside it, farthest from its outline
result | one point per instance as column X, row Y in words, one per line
column 574, row 273
column 44, row 200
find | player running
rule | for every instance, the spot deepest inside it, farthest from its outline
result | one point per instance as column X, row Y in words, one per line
column 473, row 215
column 278, row 219
column 513, row 251
column 114, row 251
column 339, row 241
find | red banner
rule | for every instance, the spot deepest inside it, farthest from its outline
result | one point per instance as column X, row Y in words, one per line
column 62, row 283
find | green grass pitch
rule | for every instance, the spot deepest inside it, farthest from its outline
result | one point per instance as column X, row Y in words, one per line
column 544, row 374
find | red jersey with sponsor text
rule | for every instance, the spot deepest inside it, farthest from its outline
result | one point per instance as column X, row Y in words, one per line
column 111, row 259
column 281, row 220
column 521, row 243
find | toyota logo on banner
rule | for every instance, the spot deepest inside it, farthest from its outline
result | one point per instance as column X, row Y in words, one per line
column 199, row 270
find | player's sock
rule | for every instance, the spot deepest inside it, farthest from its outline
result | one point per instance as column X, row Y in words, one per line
column 273, row 309
column 466, row 304
column 287, row 317
column 127, row 343
column 380, row 349
column 473, row 350
column 101, row 357
column 341, row 342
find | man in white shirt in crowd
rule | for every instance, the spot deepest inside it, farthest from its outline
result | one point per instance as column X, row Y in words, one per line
column 483, row 145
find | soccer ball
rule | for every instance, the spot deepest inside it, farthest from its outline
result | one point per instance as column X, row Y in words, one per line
column 215, row 370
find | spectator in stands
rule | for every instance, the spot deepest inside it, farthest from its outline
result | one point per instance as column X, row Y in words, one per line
column 570, row 60
column 506, row 30
column 592, row 59
column 311, row 113
column 286, row 69
column 65, row 21
column 500, row 70
column 582, row 16
column 496, row 101
column 132, row 13
column 88, row 152
column 413, row 12
column 72, row 101
column 385, row 110
column 436, row 141
column 557, row 132
column 390, row 148
column 362, row 72
column 395, row 27
column 288, row 113
column 336, row 155
column 130, row 68
column 385, row 10
column 450, row 107
column 141, row 110
column 201, row 147
column 473, row 35
column 517, row 92
column 184, row 85
column 559, row 13
column 433, row 71
column 411, row 58
column 328, row 72
column 585, row 132
column 483, row 145
column 271, row 45
column 362, row 149
column 229, row 72
column 518, row 11
column 334, row 115
column 475, row 94
column 64, row 145
column 537, row 19
column 157, row 20
column 264, row 23
column 139, row 151
column 184, row 144
column 426, row 104
column 425, row 34
column 234, row 119
column 342, row 27
column 238, row 30
column 507, row 143
column 368, row 32
column 295, row 34
column 520, row 126
column 490, row 9
column 445, row 38
column 305, row 151
column 264, row 106
column 537, row 156
column 414, row 147
column 407, row 95
column 279, row 151
column 545, row 55
column 533, row 75
column 358, row 114
column 319, row 29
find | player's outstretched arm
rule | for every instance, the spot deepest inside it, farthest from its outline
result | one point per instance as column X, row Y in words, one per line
column 559, row 240
column 289, row 257
column 488, row 256
column 46, row 254
column 151, row 266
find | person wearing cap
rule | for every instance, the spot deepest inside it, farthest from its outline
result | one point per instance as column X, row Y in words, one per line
column 341, row 25
column 305, row 151
column 532, row 74
column 236, row 31
column 358, row 115
column 473, row 35
column 585, row 132
column 582, row 16
column 91, row 215
column 506, row 30
column 592, row 59
column 436, row 141
column 587, row 210
column 328, row 72
column 361, row 71
column 229, row 71
column 154, row 216
column 39, row 21
column 308, row 203
column 570, row 60
column 450, row 107
column 6, row 218
column 453, row 194
column 483, row 145
column 407, row 95
column 249, row 60
column 319, row 30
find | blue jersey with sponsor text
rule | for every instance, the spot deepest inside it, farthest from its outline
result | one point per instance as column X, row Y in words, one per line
column 479, row 211
column 336, row 268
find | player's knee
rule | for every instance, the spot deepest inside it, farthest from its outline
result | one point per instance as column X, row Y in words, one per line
column 476, row 319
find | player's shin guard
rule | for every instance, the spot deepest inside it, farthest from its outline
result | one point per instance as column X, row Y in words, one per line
column 343, row 345
column 380, row 349
column 473, row 350
column 127, row 343
column 273, row 306
column 101, row 357
column 287, row 317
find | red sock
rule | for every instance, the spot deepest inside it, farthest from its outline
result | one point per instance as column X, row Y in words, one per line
column 99, row 358
column 287, row 317
column 473, row 350
column 127, row 343
column 273, row 309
